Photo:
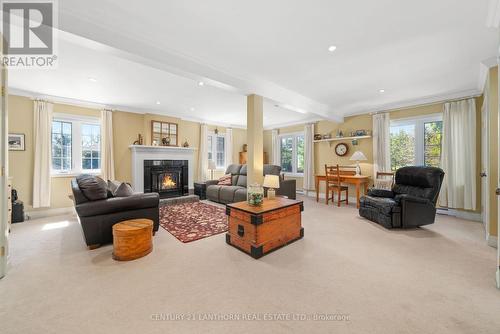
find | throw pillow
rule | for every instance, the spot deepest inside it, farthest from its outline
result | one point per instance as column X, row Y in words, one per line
column 124, row 190
column 92, row 187
column 112, row 187
column 225, row 180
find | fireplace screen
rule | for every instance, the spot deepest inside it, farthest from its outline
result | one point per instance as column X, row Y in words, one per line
column 169, row 178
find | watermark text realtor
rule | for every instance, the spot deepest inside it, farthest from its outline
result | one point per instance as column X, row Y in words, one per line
column 29, row 34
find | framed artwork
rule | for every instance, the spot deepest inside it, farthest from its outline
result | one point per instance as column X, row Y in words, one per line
column 16, row 142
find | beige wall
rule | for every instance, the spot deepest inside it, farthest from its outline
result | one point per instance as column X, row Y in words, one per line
column 126, row 127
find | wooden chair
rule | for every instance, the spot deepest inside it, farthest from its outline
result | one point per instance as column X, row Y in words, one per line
column 334, row 185
column 385, row 176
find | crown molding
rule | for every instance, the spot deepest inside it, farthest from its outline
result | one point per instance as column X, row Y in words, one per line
column 493, row 19
column 484, row 69
column 428, row 100
column 94, row 105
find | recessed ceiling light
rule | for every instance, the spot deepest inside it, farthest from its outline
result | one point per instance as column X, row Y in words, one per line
column 381, row 91
column 93, row 79
column 192, row 108
column 158, row 102
column 201, row 83
column 332, row 48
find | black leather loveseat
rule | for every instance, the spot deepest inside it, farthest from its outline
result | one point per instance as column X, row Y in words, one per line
column 237, row 191
column 98, row 212
column 410, row 203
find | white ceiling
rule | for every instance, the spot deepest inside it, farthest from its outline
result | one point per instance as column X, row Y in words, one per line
column 415, row 50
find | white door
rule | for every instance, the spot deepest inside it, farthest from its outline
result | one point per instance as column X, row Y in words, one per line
column 4, row 228
column 485, row 147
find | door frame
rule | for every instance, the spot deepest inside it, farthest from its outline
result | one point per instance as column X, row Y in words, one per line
column 4, row 172
column 485, row 163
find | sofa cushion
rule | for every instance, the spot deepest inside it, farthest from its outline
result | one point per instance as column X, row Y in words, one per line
column 240, row 195
column 234, row 170
column 213, row 192
column 383, row 205
column 242, row 181
column 226, row 194
column 92, row 187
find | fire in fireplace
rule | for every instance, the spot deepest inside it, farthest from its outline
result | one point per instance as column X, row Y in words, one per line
column 169, row 178
column 168, row 182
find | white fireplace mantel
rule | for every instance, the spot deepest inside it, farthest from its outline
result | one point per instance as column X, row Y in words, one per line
column 143, row 152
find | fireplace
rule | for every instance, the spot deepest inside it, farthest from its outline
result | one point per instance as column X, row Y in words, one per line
column 169, row 178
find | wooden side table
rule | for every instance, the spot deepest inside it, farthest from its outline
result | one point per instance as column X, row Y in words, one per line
column 132, row 239
column 200, row 189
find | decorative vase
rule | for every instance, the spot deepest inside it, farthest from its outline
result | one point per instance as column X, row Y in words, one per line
column 255, row 195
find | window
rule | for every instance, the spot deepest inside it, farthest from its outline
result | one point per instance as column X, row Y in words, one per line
column 292, row 153
column 416, row 141
column 217, row 149
column 76, row 145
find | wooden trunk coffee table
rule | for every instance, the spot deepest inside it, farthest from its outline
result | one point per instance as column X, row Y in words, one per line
column 258, row 230
column 132, row 239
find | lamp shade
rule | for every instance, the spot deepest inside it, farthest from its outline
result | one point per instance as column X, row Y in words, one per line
column 211, row 165
column 358, row 156
column 271, row 181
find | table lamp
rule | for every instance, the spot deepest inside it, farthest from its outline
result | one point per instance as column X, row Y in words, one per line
column 358, row 156
column 211, row 168
column 271, row 182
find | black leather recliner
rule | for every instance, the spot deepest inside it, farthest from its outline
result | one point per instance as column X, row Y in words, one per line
column 410, row 203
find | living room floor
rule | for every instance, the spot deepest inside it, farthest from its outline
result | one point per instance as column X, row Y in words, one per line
column 436, row 279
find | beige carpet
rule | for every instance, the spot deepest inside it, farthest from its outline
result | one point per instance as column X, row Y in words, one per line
column 438, row 279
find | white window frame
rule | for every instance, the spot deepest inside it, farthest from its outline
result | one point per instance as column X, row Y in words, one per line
column 419, row 123
column 76, row 144
column 294, row 135
column 214, row 149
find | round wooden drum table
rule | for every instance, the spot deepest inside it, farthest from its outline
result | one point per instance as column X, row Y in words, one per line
column 132, row 239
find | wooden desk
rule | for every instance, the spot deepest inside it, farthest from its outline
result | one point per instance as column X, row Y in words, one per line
column 357, row 180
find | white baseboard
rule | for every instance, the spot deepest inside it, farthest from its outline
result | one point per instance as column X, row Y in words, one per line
column 43, row 213
column 492, row 240
column 467, row 215
column 498, row 278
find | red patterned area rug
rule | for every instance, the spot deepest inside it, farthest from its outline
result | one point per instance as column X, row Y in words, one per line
column 192, row 221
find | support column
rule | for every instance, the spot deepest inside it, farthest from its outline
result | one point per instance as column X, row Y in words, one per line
column 255, row 134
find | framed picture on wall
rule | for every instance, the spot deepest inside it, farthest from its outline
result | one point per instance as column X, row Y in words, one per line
column 16, row 142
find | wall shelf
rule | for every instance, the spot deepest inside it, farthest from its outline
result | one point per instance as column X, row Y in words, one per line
column 341, row 138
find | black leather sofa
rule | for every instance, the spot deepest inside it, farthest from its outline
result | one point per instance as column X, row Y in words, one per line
column 237, row 191
column 410, row 203
column 98, row 212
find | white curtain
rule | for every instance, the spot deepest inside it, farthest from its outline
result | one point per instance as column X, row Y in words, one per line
column 203, row 154
column 107, row 157
column 229, row 146
column 42, row 146
column 381, row 143
column 276, row 158
column 308, row 157
column 459, row 155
